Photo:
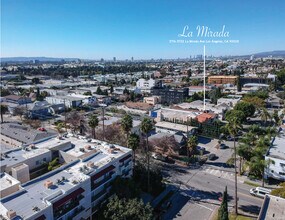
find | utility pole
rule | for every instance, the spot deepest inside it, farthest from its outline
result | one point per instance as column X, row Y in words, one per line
column 64, row 115
column 204, row 77
column 236, row 198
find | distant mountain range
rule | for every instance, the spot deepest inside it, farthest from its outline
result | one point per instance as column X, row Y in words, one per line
column 41, row 59
column 276, row 53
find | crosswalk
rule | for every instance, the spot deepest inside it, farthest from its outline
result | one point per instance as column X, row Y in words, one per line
column 220, row 173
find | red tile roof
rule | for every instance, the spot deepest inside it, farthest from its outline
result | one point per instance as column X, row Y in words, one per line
column 205, row 117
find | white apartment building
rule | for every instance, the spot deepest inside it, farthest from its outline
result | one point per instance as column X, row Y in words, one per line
column 146, row 85
column 72, row 191
column 276, row 158
column 68, row 101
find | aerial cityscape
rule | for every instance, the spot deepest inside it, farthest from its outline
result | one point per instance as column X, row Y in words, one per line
column 142, row 110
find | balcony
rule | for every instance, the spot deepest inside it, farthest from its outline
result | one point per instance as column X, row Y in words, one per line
column 106, row 179
column 98, row 195
column 76, row 212
column 62, row 210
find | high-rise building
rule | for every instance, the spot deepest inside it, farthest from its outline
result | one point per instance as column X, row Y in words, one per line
column 114, row 59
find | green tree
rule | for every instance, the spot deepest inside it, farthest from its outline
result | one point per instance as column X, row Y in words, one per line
column 191, row 145
column 223, row 210
column 59, row 127
column 146, row 127
column 237, row 115
column 133, row 143
column 93, row 123
column 127, row 124
column 264, row 115
column 276, row 117
column 35, row 80
column 239, row 86
column 99, row 91
column 215, row 94
column 256, row 101
column 87, row 93
column 3, row 110
column 127, row 209
column 111, row 89
column 247, row 108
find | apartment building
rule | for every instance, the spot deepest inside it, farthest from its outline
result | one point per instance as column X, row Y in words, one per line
column 72, row 191
column 222, row 79
column 171, row 96
column 276, row 157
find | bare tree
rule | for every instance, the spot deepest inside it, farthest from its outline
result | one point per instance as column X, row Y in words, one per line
column 76, row 120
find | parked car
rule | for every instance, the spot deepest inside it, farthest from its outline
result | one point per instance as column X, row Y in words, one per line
column 259, row 192
column 212, row 157
column 162, row 158
column 230, row 138
column 223, row 146
column 41, row 129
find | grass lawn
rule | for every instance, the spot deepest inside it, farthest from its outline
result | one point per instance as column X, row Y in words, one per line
column 251, row 183
column 239, row 217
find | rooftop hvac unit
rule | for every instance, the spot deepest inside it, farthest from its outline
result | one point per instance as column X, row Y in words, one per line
column 11, row 214
column 48, row 184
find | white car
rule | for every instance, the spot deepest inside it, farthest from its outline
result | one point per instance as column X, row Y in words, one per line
column 259, row 192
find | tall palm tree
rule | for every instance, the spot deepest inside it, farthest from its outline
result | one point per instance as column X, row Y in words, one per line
column 191, row 145
column 3, row 110
column 133, row 143
column 233, row 126
column 264, row 115
column 146, row 127
column 93, row 123
column 127, row 125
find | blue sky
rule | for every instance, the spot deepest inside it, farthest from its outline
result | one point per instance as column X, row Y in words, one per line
column 136, row 28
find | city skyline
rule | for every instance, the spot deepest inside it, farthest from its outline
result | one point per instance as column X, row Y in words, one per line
column 107, row 29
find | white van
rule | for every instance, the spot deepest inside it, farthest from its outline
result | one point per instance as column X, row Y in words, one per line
column 259, row 192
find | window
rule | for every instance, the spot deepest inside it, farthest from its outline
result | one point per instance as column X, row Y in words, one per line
column 44, row 159
column 37, row 162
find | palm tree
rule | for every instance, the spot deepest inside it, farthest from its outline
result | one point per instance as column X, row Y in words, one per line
column 3, row 110
column 264, row 115
column 133, row 143
column 191, row 145
column 233, row 126
column 146, row 127
column 127, row 125
column 93, row 123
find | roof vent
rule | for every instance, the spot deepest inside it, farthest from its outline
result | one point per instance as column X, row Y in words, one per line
column 87, row 147
column 48, row 184
column 90, row 164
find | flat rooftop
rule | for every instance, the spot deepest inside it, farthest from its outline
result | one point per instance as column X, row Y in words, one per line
column 65, row 178
column 272, row 208
column 7, row 181
column 173, row 126
column 277, row 149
